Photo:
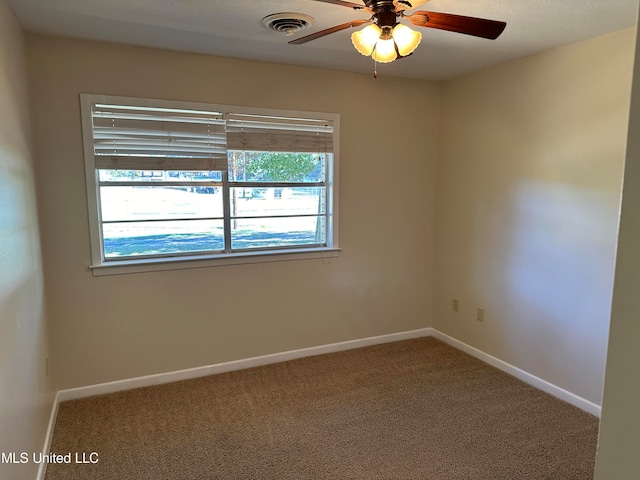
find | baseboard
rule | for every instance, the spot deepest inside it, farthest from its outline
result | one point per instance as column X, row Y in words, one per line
column 161, row 378
column 42, row 469
column 532, row 380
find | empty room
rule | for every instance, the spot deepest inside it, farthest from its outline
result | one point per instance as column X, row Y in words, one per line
column 300, row 239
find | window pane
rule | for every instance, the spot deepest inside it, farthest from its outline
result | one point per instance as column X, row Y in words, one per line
column 248, row 202
column 148, row 203
column 158, row 175
column 158, row 238
column 276, row 167
column 277, row 232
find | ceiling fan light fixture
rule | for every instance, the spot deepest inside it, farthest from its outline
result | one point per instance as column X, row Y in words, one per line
column 386, row 39
column 385, row 51
column 384, row 44
column 365, row 40
column 406, row 39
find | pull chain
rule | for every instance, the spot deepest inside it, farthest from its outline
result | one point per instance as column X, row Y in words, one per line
column 375, row 63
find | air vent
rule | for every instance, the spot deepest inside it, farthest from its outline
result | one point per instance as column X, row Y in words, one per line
column 287, row 23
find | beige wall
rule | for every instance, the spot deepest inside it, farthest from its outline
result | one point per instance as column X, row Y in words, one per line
column 529, row 178
column 26, row 394
column 619, row 441
column 115, row 327
column 529, row 169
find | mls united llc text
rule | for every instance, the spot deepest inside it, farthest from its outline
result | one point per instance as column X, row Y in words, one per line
column 24, row 457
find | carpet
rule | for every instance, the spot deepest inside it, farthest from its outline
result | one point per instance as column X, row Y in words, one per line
column 415, row 409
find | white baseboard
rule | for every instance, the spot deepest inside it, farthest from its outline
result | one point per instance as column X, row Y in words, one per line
column 532, row 380
column 42, row 469
column 161, row 378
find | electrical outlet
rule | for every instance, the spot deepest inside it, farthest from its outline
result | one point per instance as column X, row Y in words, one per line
column 456, row 305
column 480, row 315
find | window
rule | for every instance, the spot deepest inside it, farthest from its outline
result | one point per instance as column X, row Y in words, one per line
column 170, row 182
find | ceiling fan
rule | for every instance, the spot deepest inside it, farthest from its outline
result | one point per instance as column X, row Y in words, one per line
column 386, row 39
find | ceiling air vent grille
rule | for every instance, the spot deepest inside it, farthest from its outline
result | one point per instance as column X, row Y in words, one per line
column 287, row 23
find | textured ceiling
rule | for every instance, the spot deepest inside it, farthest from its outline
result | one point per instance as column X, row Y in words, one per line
column 233, row 28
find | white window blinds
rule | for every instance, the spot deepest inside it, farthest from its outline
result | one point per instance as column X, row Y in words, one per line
column 146, row 138
column 261, row 133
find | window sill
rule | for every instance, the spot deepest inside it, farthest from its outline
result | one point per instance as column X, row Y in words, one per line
column 116, row 267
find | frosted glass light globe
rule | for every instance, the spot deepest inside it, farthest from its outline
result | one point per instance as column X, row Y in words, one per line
column 385, row 51
column 406, row 39
column 365, row 40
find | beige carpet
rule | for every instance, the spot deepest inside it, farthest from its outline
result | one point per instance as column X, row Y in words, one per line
column 417, row 409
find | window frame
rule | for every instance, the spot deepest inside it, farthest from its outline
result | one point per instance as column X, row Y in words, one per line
column 101, row 266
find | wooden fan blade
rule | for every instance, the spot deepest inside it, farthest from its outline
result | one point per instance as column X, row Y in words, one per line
column 322, row 33
column 478, row 27
column 357, row 6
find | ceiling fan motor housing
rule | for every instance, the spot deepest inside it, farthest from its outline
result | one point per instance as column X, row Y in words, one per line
column 385, row 11
column 387, row 19
column 380, row 4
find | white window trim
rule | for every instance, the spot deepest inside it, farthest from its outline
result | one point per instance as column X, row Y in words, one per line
column 101, row 267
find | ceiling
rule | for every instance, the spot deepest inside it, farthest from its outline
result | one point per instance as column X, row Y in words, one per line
column 233, row 28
